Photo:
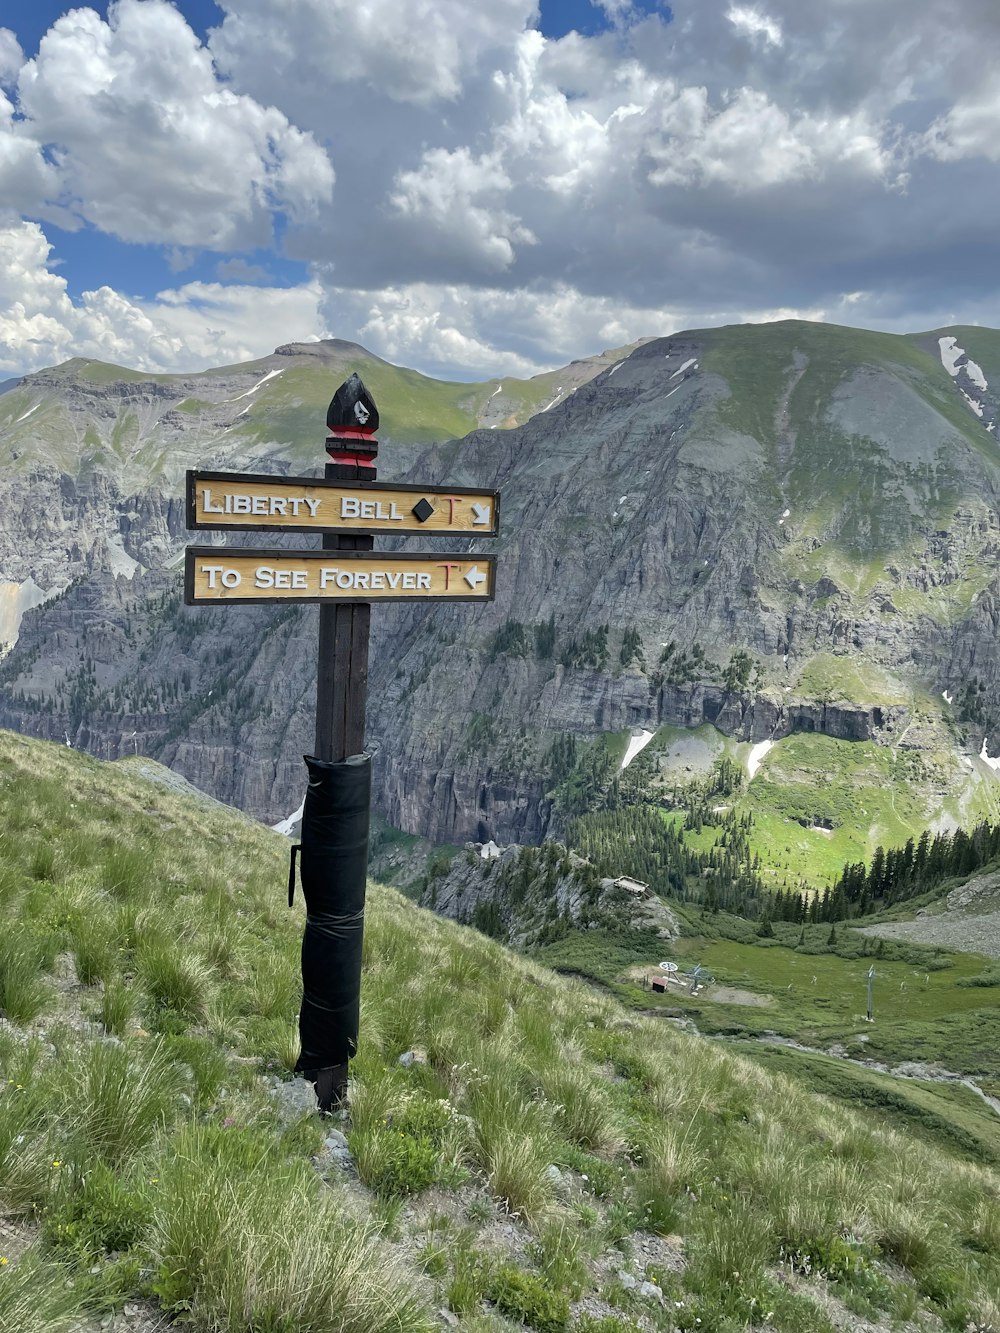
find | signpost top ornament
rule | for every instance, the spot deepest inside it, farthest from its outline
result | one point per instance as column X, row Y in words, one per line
column 352, row 416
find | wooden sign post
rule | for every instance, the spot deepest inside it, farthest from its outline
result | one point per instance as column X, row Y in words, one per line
column 347, row 505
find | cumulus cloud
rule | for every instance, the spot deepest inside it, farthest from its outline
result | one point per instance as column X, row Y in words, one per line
column 189, row 328
column 748, row 19
column 499, row 194
column 411, row 51
column 151, row 146
column 11, row 58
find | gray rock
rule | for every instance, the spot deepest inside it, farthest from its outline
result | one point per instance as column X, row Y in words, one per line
column 294, row 1097
column 335, row 1141
column 626, row 1279
column 651, row 1291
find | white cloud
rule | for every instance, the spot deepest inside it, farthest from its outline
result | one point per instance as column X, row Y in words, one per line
column 189, row 328
column 752, row 144
column 749, row 20
column 11, row 58
column 460, row 192
column 26, row 179
column 151, row 146
column 504, row 200
column 411, row 51
column 971, row 128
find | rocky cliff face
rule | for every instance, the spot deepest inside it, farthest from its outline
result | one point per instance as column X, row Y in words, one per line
column 777, row 529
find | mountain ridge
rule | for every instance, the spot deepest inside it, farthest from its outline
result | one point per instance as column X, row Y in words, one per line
column 809, row 513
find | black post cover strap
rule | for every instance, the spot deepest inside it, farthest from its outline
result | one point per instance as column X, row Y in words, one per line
column 333, row 867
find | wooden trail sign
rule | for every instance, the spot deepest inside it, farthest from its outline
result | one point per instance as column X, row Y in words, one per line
column 234, row 574
column 345, row 576
column 252, row 502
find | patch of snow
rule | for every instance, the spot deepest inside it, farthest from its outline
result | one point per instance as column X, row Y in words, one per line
column 27, row 414
column 991, row 763
column 614, row 368
column 269, row 376
column 946, row 696
column 623, row 499
column 496, row 391
column 554, row 400
column 490, row 851
column 976, row 407
column 692, row 361
column 950, row 353
column 781, row 522
column 756, row 756
column 787, row 514
column 637, row 743
column 975, row 373
column 285, row 826
column 673, row 390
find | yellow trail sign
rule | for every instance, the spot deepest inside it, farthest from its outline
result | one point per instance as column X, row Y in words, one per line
column 253, row 502
column 234, row 574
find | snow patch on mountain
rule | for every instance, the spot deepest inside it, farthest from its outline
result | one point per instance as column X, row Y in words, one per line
column 269, row 376
column 636, row 744
column 756, row 756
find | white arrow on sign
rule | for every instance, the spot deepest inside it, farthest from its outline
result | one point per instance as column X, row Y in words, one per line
column 473, row 577
column 480, row 513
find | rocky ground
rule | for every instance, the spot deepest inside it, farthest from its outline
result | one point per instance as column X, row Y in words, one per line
column 969, row 920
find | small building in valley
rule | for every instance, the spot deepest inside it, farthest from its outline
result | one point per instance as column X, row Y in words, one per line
column 633, row 886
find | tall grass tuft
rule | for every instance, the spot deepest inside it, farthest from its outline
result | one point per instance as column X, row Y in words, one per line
column 35, row 1297
column 42, row 863
column 127, row 871
column 245, row 1239
column 117, row 1007
column 583, row 1110
column 118, row 1097
column 94, row 948
column 23, row 991
column 174, row 979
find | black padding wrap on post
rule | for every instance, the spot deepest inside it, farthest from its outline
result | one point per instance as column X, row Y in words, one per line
column 333, row 866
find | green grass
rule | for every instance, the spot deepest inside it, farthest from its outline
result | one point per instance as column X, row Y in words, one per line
column 163, row 1164
column 830, row 679
column 942, row 1113
column 865, row 794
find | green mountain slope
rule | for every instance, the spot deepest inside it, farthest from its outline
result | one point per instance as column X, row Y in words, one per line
column 148, row 978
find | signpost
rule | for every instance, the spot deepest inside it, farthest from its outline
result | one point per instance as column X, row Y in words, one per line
column 347, row 505
column 219, row 500
column 236, row 574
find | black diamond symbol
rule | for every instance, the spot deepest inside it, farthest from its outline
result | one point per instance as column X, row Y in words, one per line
column 423, row 510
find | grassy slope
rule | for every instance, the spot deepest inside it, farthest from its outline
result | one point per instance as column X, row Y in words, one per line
column 161, row 1163
column 817, row 802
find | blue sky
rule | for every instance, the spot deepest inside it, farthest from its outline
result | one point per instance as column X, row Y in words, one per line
column 486, row 189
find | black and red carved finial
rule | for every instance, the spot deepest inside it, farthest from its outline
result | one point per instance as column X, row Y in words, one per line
column 352, row 420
